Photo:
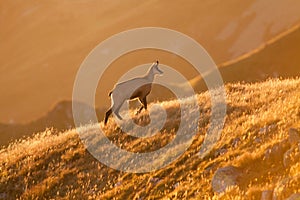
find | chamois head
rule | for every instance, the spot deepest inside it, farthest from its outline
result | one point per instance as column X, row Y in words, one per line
column 155, row 70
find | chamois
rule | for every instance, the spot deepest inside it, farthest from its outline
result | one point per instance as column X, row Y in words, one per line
column 134, row 88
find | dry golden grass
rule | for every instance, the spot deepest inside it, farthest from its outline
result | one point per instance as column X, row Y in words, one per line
column 58, row 166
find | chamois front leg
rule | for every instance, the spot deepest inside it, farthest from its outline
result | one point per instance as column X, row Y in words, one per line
column 139, row 110
column 116, row 111
column 118, row 115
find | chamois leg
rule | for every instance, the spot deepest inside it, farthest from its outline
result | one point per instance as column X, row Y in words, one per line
column 144, row 105
column 116, row 112
column 139, row 110
column 144, row 101
column 107, row 114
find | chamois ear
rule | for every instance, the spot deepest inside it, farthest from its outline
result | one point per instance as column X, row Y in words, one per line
column 157, row 62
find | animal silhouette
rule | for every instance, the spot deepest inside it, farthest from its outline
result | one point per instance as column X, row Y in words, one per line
column 136, row 88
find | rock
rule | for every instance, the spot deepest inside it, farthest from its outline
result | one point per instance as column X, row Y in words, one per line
column 275, row 153
column 291, row 156
column 236, row 142
column 220, row 152
column 119, row 183
column 294, row 136
column 225, row 177
column 267, row 195
column 154, row 180
column 176, row 185
column 258, row 140
column 267, row 129
column 294, row 197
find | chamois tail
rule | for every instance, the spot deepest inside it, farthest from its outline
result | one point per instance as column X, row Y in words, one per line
column 110, row 93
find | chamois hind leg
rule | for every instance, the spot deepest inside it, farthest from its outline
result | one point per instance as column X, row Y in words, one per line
column 144, row 104
column 113, row 109
column 107, row 114
column 144, row 101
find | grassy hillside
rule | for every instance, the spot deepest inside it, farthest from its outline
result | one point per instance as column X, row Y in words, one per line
column 278, row 57
column 258, row 119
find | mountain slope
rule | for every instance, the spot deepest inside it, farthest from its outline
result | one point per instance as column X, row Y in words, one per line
column 258, row 119
column 59, row 118
column 278, row 57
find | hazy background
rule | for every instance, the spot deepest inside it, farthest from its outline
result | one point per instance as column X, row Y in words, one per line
column 43, row 43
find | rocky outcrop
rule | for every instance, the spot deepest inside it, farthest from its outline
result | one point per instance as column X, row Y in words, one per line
column 225, row 177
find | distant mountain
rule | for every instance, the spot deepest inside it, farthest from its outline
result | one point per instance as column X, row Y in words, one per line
column 278, row 57
column 60, row 118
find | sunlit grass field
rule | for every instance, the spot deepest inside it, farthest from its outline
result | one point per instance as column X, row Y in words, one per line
column 57, row 165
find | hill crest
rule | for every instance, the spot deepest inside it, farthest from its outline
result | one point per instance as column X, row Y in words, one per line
column 258, row 117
